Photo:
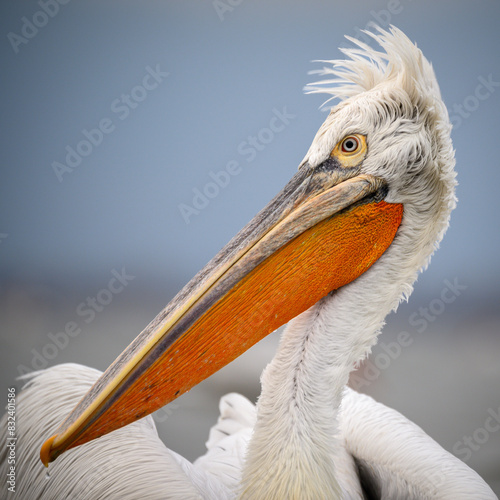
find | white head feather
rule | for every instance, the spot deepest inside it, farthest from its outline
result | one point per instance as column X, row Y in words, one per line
column 394, row 99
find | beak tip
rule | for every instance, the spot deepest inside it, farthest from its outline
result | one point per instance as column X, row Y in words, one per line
column 46, row 454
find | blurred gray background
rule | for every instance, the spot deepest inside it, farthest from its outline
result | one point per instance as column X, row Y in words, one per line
column 63, row 232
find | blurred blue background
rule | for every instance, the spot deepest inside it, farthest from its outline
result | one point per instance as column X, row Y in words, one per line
column 220, row 71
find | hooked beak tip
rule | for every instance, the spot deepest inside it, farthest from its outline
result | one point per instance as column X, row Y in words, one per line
column 45, row 451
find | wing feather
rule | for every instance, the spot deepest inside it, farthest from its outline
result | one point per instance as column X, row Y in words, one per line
column 397, row 459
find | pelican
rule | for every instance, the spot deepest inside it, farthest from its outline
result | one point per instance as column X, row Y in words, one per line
column 331, row 255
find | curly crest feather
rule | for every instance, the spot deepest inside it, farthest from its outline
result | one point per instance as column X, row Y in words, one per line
column 400, row 63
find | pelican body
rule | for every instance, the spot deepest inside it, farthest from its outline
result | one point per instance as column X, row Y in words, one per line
column 331, row 255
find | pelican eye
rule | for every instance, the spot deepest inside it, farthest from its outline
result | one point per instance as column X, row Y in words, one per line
column 350, row 144
column 351, row 150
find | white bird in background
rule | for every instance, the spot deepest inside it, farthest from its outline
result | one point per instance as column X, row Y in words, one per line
column 337, row 250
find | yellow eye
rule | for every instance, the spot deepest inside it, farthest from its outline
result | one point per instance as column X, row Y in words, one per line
column 351, row 144
column 351, row 150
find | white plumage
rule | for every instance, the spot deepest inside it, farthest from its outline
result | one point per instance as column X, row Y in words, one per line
column 310, row 437
column 133, row 462
column 128, row 464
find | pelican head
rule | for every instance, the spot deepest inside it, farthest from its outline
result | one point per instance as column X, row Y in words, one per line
column 369, row 204
column 392, row 99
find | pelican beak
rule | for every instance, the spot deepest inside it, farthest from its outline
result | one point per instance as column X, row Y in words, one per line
column 323, row 230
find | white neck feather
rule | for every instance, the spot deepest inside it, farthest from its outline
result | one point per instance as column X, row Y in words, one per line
column 294, row 452
column 292, row 448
